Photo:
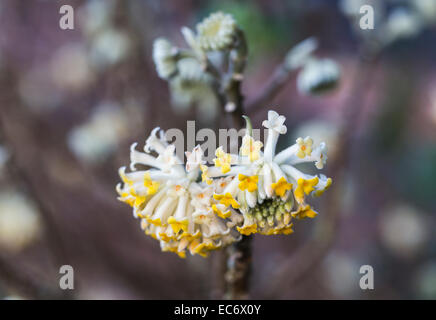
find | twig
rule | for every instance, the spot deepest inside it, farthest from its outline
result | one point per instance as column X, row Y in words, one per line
column 239, row 254
column 238, row 269
column 232, row 82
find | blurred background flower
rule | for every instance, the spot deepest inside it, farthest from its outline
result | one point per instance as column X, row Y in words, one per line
column 19, row 221
column 97, row 138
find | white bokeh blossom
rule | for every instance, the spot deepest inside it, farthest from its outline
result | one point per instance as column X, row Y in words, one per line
column 318, row 76
column 164, row 58
column 20, row 223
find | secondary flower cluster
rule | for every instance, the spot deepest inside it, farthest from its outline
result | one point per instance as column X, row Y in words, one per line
column 200, row 208
column 188, row 70
column 218, row 32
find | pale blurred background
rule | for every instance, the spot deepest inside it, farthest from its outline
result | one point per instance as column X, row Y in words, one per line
column 72, row 101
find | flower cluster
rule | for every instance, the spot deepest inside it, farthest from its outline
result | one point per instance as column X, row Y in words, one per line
column 218, row 32
column 188, row 70
column 172, row 206
column 267, row 188
column 202, row 208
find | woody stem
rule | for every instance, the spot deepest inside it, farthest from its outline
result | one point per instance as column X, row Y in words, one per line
column 238, row 272
column 238, row 268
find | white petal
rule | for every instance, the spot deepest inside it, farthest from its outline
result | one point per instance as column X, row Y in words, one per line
column 267, row 180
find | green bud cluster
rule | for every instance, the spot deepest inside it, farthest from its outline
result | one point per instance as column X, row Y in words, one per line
column 271, row 210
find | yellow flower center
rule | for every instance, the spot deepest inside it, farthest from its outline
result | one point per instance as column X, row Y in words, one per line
column 219, row 213
column 305, row 187
column 151, row 185
column 139, row 200
column 227, row 200
column 247, row 230
column 304, row 212
column 305, row 147
column 281, row 186
column 248, row 182
column 251, row 148
column 205, row 174
column 223, row 160
column 178, row 225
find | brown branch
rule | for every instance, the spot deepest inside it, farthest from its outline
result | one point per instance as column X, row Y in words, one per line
column 238, row 271
column 238, row 255
column 232, row 82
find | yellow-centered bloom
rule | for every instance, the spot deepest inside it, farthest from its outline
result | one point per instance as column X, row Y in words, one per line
column 202, row 248
column 236, row 197
column 271, row 189
column 227, row 200
column 248, row 229
column 248, row 182
column 220, row 211
column 304, row 147
column 178, row 225
column 172, row 206
column 251, row 148
column 139, row 201
column 151, row 185
column 285, row 230
column 205, row 174
column 305, row 187
column 223, row 160
column 281, row 186
column 304, row 211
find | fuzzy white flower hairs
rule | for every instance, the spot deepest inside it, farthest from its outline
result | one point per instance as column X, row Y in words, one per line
column 216, row 32
column 199, row 208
